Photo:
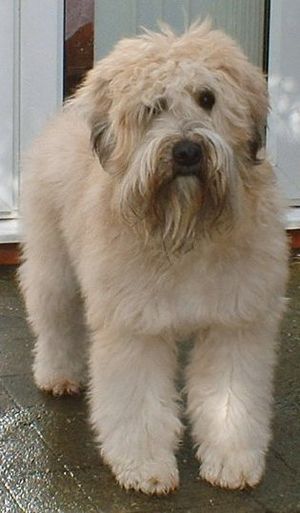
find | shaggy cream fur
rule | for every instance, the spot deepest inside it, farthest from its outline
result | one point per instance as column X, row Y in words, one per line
column 132, row 247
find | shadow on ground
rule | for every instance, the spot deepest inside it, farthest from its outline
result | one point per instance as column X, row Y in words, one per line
column 48, row 459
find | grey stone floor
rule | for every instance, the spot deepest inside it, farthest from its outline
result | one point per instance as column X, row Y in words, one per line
column 49, row 463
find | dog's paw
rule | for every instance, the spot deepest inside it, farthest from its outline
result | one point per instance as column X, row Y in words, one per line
column 152, row 477
column 236, row 470
column 60, row 387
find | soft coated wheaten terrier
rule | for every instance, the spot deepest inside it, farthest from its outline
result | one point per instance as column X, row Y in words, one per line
column 151, row 214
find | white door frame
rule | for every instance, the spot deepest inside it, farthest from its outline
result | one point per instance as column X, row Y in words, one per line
column 31, row 51
column 9, row 92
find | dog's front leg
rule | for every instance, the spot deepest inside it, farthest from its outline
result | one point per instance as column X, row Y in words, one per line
column 134, row 410
column 229, row 402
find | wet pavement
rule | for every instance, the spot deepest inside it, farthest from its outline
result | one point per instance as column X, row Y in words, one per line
column 49, row 462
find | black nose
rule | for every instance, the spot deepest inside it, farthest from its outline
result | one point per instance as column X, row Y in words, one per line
column 187, row 153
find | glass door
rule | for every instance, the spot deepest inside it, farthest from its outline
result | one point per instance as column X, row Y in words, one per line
column 243, row 19
column 284, row 85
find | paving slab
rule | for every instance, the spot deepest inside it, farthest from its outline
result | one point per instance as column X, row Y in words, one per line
column 49, row 461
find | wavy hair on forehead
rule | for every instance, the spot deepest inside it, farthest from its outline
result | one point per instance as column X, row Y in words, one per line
column 151, row 49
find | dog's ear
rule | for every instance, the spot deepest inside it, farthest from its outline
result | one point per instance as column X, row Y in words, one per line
column 252, row 86
column 255, row 144
column 102, row 140
column 93, row 101
column 257, row 95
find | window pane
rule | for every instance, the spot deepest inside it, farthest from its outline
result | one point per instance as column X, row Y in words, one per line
column 244, row 20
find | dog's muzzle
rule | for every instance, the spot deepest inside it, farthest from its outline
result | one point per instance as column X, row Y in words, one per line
column 187, row 156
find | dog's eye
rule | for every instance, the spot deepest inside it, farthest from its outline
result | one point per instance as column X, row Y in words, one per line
column 206, row 100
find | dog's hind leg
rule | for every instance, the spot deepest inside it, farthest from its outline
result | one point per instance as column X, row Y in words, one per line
column 54, row 308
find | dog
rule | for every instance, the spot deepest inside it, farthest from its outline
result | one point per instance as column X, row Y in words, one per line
column 150, row 215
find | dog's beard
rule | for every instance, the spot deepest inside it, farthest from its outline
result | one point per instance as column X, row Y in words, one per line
column 177, row 210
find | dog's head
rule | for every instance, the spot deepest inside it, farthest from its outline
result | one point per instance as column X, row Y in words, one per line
column 177, row 123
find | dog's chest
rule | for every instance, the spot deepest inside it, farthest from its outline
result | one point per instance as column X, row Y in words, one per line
column 182, row 299
column 218, row 286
